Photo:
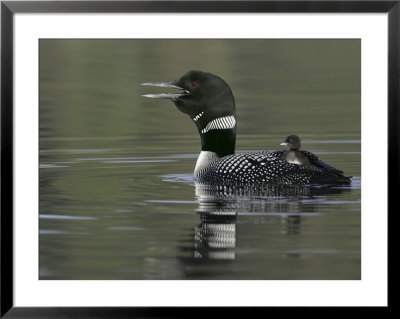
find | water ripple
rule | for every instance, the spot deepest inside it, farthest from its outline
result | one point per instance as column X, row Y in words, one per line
column 53, row 232
column 126, row 228
column 51, row 166
column 278, row 214
column 172, row 201
column 136, row 161
column 178, row 178
column 47, row 216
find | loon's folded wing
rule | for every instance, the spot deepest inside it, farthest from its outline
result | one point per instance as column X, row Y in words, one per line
column 266, row 167
column 314, row 160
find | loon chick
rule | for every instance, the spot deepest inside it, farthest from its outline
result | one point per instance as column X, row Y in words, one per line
column 294, row 156
column 208, row 101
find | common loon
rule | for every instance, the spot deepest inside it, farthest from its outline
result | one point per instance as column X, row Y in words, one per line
column 208, row 101
column 294, row 155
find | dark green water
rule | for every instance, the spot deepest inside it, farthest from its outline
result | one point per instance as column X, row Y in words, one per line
column 117, row 199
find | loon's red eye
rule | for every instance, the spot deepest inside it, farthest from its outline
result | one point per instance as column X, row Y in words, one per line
column 195, row 84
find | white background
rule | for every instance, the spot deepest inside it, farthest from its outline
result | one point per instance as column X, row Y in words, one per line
column 371, row 290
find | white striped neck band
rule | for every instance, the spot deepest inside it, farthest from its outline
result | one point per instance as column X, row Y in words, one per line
column 198, row 116
column 221, row 123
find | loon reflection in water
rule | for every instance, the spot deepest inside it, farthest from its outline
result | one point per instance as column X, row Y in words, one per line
column 208, row 101
column 223, row 209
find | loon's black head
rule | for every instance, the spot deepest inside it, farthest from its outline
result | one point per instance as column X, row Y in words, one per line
column 203, row 96
column 209, row 102
column 293, row 142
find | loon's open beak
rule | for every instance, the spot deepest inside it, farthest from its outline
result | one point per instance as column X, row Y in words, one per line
column 172, row 96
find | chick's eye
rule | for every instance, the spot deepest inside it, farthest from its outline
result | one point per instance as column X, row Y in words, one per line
column 195, row 84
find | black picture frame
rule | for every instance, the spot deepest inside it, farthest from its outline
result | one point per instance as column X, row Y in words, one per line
column 9, row 8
